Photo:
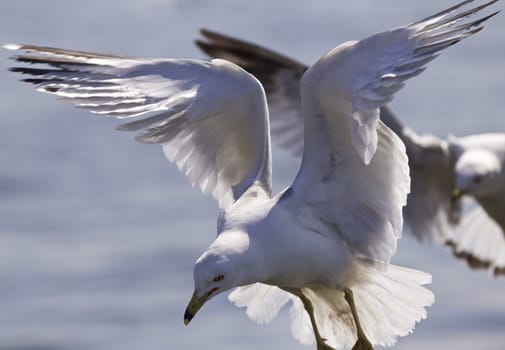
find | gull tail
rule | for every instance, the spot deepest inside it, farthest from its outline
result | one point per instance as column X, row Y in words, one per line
column 389, row 301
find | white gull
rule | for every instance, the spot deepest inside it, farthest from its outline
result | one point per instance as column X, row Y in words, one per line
column 325, row 242
column 431, row 213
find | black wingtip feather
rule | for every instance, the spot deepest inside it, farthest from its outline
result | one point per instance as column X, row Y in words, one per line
column 64, row 52
column 32, row 71
column 444, row 12
column 459, row 16
column 205, row 47
column 35, row 81
column 478, row 22
column 220, row 45
column 52, row 61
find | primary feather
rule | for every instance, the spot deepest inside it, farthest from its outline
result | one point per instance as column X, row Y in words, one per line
column 211, row 117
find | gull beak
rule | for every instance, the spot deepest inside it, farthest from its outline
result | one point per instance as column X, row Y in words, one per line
column 194, row 305
column 456, row 194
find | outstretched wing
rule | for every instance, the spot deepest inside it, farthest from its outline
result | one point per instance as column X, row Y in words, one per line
column 211, row 117
column 280, row 75
column 430, row 213
column 354, row 179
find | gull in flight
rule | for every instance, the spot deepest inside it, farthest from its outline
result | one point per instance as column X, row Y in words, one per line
column 431, row 212
column 325, row 242
column 479, row 172
column 443, row 171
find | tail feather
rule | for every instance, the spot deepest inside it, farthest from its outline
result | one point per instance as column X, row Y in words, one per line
column 391, row 303
column 389, row 300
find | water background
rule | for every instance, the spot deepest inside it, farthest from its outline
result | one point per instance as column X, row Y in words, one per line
column 98, row 233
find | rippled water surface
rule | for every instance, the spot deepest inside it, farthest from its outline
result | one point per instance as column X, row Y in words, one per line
column 98, row 234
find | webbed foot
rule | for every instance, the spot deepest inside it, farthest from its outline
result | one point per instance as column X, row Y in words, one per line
column 321, row 344
column 362, row 344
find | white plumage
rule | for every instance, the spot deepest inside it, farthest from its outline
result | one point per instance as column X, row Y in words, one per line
column 326, row 241
column 479, row 173
column 430, row 213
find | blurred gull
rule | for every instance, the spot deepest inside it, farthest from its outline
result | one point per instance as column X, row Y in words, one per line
column 325, row 242
column 443, row 172
column 431, row 213
column 479, row 172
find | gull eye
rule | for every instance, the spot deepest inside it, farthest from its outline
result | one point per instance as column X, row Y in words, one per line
column 218, row 278
column 477, row 179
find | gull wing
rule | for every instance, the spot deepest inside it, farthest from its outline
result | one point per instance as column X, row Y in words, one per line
column 430, row 213
column 354, row 179
column 480, row 241
column 280, row 75
column 210, row 118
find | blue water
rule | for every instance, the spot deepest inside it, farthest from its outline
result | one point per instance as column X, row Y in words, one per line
column 98, row 234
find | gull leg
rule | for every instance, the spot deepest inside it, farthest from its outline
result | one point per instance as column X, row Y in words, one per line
column 307, row 304
column 362, row 343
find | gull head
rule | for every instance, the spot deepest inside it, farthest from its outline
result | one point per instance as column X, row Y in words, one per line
column 221, row 267
column 477, row 173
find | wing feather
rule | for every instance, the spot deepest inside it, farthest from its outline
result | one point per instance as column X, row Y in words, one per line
column 280, row 75
column 354, row 176
column 480, row 241
column 211, row 118
column 430, row 213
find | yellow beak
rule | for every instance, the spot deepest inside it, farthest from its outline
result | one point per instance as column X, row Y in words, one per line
column 193, row 306
column 456, row 194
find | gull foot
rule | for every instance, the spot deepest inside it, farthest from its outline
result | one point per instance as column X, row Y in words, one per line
column 362, row 344
column 321, row 345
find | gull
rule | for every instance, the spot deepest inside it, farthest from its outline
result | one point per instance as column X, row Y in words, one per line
column 443, row 171
column 325, row 242
column 431, row 213
column 479, row 172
